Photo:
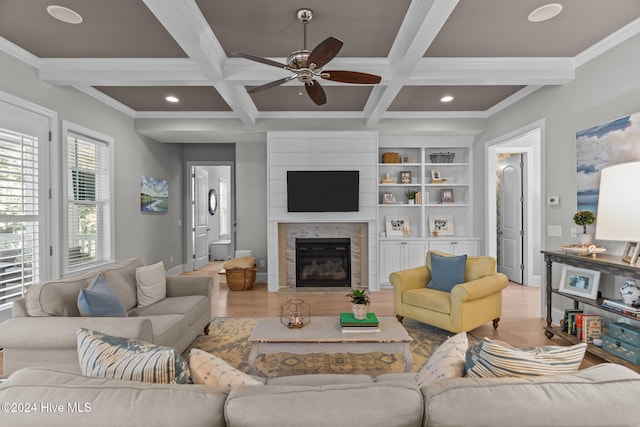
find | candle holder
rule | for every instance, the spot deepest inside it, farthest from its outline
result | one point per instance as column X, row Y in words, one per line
column 295, row 313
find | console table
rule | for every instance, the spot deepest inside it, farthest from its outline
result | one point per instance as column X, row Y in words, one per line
column 605, row 264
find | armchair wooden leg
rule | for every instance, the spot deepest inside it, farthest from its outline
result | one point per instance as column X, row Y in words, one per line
column 206, row 328
column 400, row 318
column 495, row 322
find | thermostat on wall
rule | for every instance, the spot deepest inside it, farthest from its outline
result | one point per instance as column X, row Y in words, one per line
column 553, row 200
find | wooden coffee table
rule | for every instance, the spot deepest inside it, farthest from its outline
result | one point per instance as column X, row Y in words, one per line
column 323, row 335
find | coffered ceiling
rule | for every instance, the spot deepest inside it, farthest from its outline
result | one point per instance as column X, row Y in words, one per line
column 131, row 54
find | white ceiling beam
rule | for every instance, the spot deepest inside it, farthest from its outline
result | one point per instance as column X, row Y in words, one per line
column 422, row 23
column 186, row 24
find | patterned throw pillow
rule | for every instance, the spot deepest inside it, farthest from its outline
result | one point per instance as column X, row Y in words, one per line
column 211, row 370
column 492, row 359
column 99, row 300
column 105, row 356
column 446, row 362
column 151, row 284
column 446, row 272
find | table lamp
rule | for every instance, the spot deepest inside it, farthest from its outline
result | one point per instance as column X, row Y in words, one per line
column 619, row 207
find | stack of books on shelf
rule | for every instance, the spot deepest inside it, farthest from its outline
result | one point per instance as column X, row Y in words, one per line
column 619, row 306
column 583, row 326
column 348, row 323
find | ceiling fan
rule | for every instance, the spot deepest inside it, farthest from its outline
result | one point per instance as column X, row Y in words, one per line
column 306, row 65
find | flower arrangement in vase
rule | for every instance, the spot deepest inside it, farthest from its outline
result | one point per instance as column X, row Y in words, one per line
column 584, row 218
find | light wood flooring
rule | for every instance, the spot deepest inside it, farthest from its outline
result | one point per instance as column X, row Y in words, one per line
column 521, row 324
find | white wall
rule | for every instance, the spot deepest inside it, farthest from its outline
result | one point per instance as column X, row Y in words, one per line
column 136, row 233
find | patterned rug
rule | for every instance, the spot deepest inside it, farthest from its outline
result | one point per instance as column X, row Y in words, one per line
column 227, row 339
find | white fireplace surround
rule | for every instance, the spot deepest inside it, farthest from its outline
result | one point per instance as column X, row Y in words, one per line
column 321, row 151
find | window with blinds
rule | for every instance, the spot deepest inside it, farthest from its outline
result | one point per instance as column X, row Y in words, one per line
column 19, row 227
column 88, row 201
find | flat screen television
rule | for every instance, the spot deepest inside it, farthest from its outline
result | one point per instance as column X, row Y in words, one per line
column 323, row 191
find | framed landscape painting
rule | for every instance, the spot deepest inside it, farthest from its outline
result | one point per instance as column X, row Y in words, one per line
column 154, row 194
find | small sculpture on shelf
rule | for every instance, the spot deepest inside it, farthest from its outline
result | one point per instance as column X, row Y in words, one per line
column 630, row 293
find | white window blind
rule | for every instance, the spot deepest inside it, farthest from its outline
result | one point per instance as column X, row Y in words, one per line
column 88, row 201
column 19, row 228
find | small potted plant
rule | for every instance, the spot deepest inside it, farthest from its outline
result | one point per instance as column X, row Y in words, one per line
column 411, row 196
column 359, row 303
column 584, row 218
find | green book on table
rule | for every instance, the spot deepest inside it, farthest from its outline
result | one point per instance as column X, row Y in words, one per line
column 347, row 319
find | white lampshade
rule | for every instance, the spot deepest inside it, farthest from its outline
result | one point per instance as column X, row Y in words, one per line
column 619, row 203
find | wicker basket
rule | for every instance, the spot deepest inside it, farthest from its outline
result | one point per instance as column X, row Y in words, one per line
column 390, row 158
column 241, row 279
column 442, row 157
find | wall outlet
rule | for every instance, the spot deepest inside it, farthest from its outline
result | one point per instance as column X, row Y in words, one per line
column 553, row 200
column 262, row 264
column 171, row 259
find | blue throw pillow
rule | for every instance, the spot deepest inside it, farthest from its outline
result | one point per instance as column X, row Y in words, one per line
column 99, row 300
column 446, row 272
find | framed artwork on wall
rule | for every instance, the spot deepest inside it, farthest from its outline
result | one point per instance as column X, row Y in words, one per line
column 154, row 194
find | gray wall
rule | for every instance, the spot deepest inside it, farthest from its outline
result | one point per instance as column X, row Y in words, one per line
column 136, row 234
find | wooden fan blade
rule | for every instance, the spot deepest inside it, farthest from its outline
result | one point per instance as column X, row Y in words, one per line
column 259, row 59
column 351, row 77
column 315, row 92
column 325, row 52
column 271, row 84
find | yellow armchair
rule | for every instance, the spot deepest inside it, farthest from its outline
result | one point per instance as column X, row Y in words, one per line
column 466, row 307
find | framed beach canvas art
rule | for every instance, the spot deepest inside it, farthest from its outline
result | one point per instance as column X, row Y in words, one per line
column 154, row 194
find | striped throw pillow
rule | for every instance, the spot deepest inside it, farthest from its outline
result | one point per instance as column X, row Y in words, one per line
column 214, row 371
column 105, row 356
column 491, row 359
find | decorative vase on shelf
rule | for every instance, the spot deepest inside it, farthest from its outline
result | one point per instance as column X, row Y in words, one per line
column 630, row 293
column 584, row 239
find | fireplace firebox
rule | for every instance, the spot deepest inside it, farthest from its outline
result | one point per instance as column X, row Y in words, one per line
column 323, row 262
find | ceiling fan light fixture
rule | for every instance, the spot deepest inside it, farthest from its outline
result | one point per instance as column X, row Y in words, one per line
column 446, row 98
column 546, row 12
column 64, row 14
column 172, row 98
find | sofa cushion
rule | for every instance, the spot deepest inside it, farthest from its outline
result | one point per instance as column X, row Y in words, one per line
column 321, row 379
column 430, row 299
column 151, row 284
column 122, row 279
column 397, row 404
column 57, row 297
column 488, row 359
column 446, row 271
column 168, row 328
column 106, row 356
column 192, row 307
column 446, row 362
column 99, row 300
column 213, row 371
column 112, row 402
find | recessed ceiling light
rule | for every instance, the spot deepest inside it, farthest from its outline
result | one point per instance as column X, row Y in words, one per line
column 546, row 12
column 172, row 98
column 446, row 98
column 64, row 14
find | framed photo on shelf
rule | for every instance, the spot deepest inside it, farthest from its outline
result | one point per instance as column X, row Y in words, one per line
column 631, row 252
column 579, row 281
column 441, row 225
column 397, row 225
column 388, row 199
column 446, row 195
column 405, row 177
column 406, row 158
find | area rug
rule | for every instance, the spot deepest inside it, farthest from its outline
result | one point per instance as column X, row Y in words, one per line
column 227, row 339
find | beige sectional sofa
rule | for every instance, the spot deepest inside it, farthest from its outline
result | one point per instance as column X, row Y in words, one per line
column 602, row 395
column 42, row 330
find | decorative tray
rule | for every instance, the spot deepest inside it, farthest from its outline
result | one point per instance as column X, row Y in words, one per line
column 581, row 249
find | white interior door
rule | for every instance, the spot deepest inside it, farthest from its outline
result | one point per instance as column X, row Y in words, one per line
column 200, row 218
column 510, row 232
